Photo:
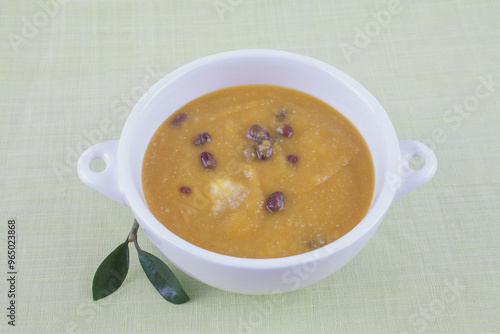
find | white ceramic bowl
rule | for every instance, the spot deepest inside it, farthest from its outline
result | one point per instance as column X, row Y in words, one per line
column 121, row 179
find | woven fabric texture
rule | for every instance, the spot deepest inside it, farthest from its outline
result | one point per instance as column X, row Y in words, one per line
column 71, row 71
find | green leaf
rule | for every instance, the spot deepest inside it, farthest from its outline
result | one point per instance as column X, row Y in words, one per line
column 162, row 278
column 111, row 273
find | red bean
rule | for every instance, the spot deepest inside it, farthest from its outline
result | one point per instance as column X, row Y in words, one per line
column 179, row 119
column 292, row 158
column 275, row 202
column 264, row 150
column 314, row 244
column 282, row 114
column 207, row 160
column 185, row 190
column 201, row 138
column 257, row 133
column 286, row 130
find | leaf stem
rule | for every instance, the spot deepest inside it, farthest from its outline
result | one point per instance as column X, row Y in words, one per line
column 132, row 236
column 136, row 244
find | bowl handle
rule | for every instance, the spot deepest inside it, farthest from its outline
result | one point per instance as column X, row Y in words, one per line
column 106, row 181
column 413, row 178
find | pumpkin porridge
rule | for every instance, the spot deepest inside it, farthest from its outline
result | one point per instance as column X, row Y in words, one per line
column 258, row 171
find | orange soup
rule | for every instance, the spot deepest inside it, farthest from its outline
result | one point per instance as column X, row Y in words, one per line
column 258, row 171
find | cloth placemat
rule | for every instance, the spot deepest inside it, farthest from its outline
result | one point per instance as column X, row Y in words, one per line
column 71, row 71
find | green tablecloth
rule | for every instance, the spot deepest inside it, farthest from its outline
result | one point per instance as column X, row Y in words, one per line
column 70, row 72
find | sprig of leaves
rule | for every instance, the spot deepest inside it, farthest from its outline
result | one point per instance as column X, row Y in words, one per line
column 113, row 270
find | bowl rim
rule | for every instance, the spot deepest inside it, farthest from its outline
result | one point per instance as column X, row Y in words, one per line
column 150, row 224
